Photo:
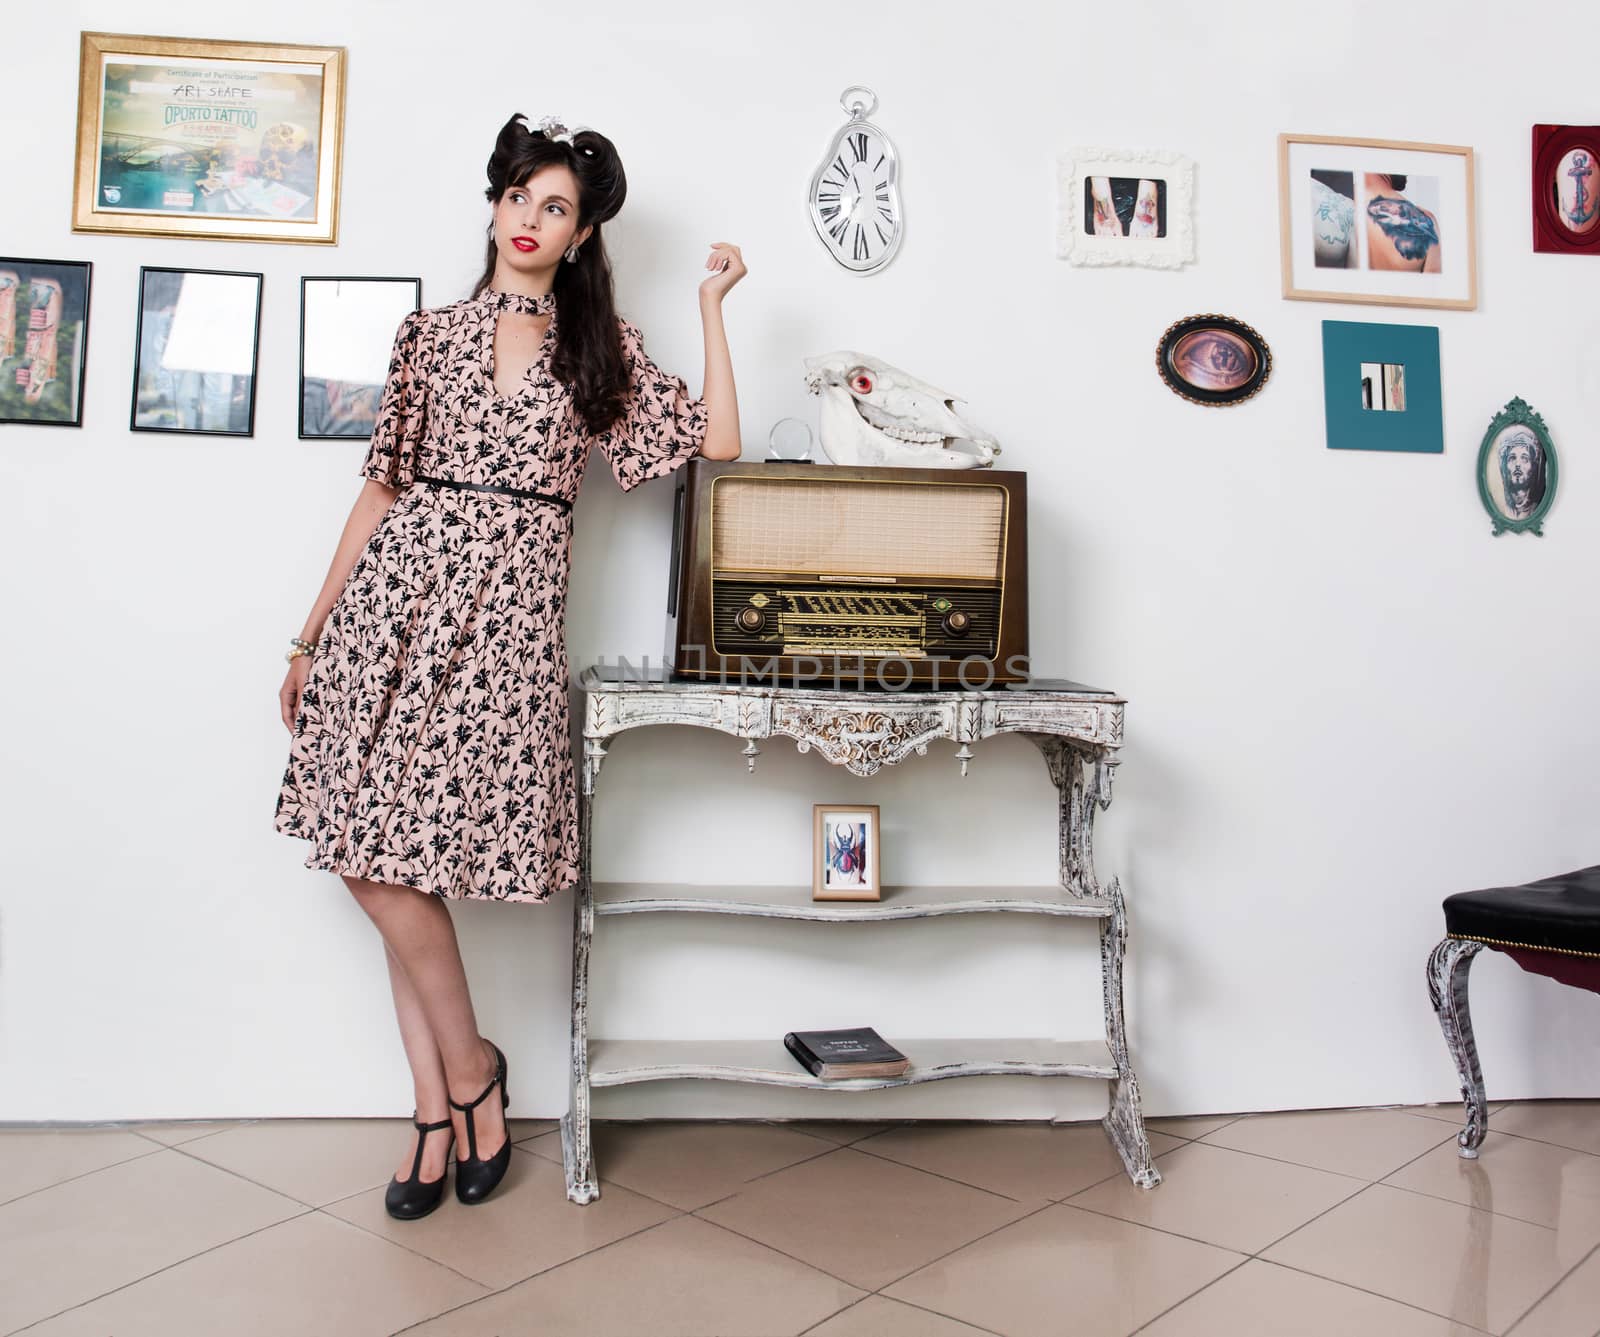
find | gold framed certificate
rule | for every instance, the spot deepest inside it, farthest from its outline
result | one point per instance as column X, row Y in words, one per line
column 235, row 141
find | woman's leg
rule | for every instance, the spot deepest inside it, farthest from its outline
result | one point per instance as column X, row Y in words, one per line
column 434, row 1007
column 427, row 1071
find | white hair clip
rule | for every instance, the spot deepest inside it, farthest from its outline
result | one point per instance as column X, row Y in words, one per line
column 552, row 127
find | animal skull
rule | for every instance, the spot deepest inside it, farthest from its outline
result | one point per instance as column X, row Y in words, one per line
column 873, row 413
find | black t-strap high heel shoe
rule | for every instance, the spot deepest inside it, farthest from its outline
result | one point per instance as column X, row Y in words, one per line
column 475, row 1177
column 407, row 1199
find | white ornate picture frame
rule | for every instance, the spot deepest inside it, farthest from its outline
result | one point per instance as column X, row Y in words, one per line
column 1125, row 207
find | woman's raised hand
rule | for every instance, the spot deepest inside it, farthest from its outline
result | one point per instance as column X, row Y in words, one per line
column 727, row 268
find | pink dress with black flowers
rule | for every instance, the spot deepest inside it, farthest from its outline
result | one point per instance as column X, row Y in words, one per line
column 431, row 748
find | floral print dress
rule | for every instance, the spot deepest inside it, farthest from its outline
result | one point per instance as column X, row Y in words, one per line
column 431, row 748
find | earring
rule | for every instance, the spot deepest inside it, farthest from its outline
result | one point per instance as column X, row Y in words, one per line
column 572, row 253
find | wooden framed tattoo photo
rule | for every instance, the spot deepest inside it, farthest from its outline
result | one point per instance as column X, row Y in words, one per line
column 1381, row 221
column 1566, row 189
column 237, row 141
column 1125, row 207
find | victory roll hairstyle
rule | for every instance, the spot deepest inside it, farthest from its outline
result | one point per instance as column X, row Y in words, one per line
column 588, row 355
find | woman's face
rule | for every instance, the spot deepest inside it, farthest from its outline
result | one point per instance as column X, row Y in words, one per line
column 536, row 221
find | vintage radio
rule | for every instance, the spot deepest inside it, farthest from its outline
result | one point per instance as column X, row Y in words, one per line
column 891, row 576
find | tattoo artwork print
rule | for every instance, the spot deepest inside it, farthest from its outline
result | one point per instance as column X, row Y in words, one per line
column 1401, row 234
column 1408, row 227
column 1213, row 360
column 1575, row 190
column 1333, row 221
column 1124, row 206
column 1146, row 214
column 1521, row 472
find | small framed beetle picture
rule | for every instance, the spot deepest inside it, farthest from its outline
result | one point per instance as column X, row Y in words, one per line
column 1212, row 359
column 844, row 852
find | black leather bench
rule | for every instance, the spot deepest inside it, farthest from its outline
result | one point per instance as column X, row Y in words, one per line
column 1550, row 927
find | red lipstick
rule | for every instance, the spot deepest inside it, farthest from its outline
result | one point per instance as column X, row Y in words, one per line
column 526, row 244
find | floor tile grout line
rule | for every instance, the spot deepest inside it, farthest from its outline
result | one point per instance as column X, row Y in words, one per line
column 415, row 1253
column 1228, row 1122
column 1365, row 1290
column 1163, row 1230
column 672, row 1206
column 1243, row 1262
column 888, row 1160
column 491, row 1292
column 909, row 1304
column 1343, row 1174
column 949, row 1179
column 815, row 1267
column 1471, row 1206
column 256, row 1183
column 1543, row 1141
column 1560, row 1281
column 938, row 1258
column 789, row 1125
column 1261, row 1252
column 1043, row 1206
column 70, row 1179
column 600, row 1248
column 605, row 1180
column 1120, row 1173
column 1421, row 1155
column 828, row 1318
column 201, row 1137
column 178, row 1262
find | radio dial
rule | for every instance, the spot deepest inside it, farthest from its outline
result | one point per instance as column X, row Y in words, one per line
column 751, row 619
column 956, row 623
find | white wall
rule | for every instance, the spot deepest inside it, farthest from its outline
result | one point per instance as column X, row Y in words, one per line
column 1346, row 699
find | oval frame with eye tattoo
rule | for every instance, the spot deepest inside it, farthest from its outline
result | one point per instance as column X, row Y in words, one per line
column 1229, row 338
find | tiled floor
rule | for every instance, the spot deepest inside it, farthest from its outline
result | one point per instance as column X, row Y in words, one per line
column 1338, row 1222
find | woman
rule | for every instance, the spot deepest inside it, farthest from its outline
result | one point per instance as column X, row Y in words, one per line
column 427, row 692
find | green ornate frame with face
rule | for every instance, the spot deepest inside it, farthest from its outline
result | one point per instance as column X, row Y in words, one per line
column 1520, row 426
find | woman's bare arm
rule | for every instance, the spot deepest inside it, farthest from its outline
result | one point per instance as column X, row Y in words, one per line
column 371, row 504
column 722, row 402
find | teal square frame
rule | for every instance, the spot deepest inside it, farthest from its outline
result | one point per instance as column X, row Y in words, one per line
column 1346, row 344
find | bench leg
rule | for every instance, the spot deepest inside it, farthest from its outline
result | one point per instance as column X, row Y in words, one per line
column 1447, row 986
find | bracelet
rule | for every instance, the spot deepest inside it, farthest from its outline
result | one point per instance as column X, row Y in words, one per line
column 299, row 647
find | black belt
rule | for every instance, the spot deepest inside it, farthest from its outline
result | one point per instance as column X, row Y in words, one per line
column 562, row 502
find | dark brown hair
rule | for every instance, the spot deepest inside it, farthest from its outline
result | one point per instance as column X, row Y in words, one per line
column 588, row 355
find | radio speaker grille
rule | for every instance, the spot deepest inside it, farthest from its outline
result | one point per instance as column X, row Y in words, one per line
column 814, row 527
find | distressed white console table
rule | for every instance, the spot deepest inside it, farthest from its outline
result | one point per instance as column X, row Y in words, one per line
column 1078, row 729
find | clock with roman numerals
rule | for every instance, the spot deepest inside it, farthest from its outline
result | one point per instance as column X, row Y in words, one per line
column 854, row 196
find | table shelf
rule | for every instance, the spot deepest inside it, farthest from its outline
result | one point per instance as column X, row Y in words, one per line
column 779, row 902
column 620, row 1062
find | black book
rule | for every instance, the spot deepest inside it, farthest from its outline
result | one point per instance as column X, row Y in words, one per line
column 832, row 1055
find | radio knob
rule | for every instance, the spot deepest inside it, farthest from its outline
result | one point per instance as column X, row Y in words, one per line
column 750, row 619
column 956, row 623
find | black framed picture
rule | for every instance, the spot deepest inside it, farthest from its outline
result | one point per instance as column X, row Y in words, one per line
column 195, row 352
column 44, row 340
column 1213, row 359
column 347, row 331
